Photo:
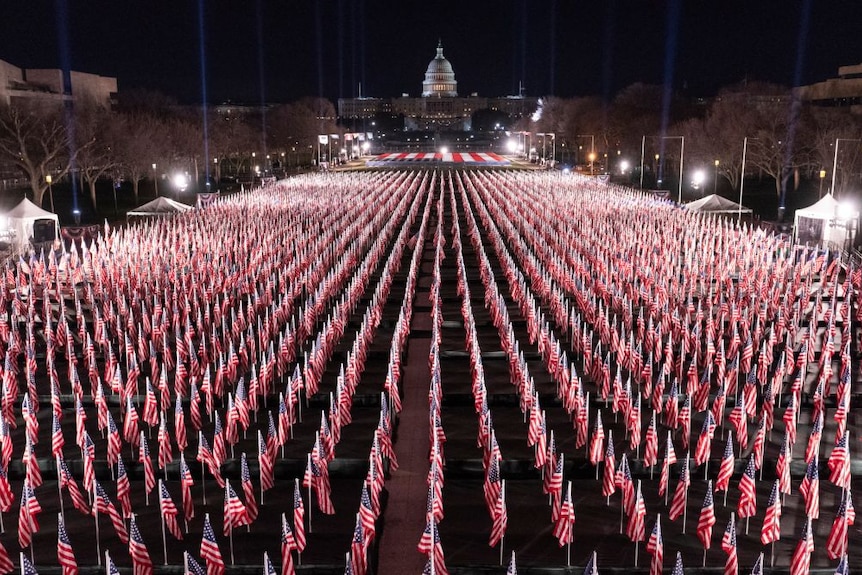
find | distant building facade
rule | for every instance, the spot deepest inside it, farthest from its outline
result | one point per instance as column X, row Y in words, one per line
column 47, row 86
column 843, row 91
column 440, row 107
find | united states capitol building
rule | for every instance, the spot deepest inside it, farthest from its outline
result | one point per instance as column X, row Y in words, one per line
column 440, row 107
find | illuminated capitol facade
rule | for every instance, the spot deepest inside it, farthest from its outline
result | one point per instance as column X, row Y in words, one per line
column 439, row 107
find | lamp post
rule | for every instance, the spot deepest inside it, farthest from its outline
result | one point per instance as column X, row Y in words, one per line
column 155, row 181
column 822, row 177
column 592, row 158
column 715, row 182
column 742, row 175
column 835, row 160
column 49, row 180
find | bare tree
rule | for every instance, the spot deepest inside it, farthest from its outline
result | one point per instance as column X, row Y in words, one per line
column 35, row 139
column 96, row 130
column 142, row 143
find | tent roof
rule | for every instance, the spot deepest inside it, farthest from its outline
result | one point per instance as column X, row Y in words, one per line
column 715, row 204
column 27, row 209
column 159, row 207
column 826, row 207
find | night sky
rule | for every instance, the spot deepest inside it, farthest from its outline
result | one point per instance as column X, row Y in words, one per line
column 280, row 50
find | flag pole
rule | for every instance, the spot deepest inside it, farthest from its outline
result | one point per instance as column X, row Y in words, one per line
column 59, row 491
column 685, row 505
column 203, row 471
column 309, row 496
column 96, row 520
column 636, row 553
column 704, row 556
column 503, row 510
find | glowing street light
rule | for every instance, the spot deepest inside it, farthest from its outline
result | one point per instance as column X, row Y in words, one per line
column 715, row 183
column 624, row 166
column 512, row 146
column 181, row 182
column 592, row 158
column 822, row 177
column 698, row 178
column 48, row 180
column 155, row 180
column 444, row 150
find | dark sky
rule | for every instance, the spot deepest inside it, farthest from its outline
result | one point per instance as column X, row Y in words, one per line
column 278, row 50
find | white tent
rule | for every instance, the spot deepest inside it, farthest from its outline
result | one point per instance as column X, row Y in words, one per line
column 161, row 206
column 827, row 222
column 21, row 219
column 713, row 204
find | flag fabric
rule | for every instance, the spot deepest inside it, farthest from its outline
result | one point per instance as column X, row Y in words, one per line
column 836, row 542
column 102, row 504
column 298, row 518
column 728, row 545
column 27, row 515
column 235, row 514
column 747, row 506
column 27, row 568
column 210, row 551
column 186, row 483
column 288, row 544
column 800, row 562
column 810, row 489
column 655, row 547
column 169, row 511
column 771, row 530
column 680, row 496
column 678, row 568
column 248, row 489
column 65, row 553
column 635, row 528
column 6, row 565
column 608, row 483
column 725, row 470
column 839, row 462
column 141, row 562
column 565, row 523
column 500, row 518
column 707, row 518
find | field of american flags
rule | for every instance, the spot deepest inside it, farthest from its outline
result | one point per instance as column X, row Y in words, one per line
column 276, row 326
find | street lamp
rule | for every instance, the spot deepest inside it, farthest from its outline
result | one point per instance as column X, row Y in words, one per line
column 155, row 181
column 835, row 160
column 697, row 178
column 48, row 180
column 822, row 176
column 592, row 158
column 715, row 184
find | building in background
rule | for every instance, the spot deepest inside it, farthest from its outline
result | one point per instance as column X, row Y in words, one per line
column 439, row 108
column 845, row 91
column 20, row 86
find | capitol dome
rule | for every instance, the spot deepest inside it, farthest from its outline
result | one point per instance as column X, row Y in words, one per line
column 439, row 77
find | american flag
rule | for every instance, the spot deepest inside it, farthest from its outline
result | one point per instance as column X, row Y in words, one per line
column 298, row 518
column 725, row 470
column 680, row 496
column 810, row 489
column 747, row 506
column 145, row 459
column 102, row 504
column 248, row 489
column 6, row 565
column 678, row 568
column 27, row 514
column 655, row 547
column 635, row 528
column 6, row 495
column 707, row 518
column 192, row 567
column 66, row 481
column 358, row 549
column 500, row 518
column 728, row 545
column 492, row 484
column 608, row 478
column 366, row 513
column 268, row 568
column 757, row 569
column 651, row 447
column 800, row 563
column 65, row 553
column 209, row 549
column 57, row 441
column 265, row 463
column 843, row 568
column 27, row 567
column 141, row 562
column 704, row 441
column 169, row 511
column 123, row 489
column 771, row 530
column 235, row 514
column 186, row 483
column 839, row 462
column 563, row 529
column 288, row 544
column 597, row 439
column 836, row 543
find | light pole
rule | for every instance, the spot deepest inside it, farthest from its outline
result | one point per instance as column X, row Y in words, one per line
column 835, row 160
column 592, row 158
column 715, row 183
column 742, row 177
column 49, row 180
column 822, row 177
column 155, row 181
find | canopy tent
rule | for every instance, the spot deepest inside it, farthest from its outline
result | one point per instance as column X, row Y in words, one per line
column 828, row 222
column 22, row 219
column 714, row 204
column 161, row 206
